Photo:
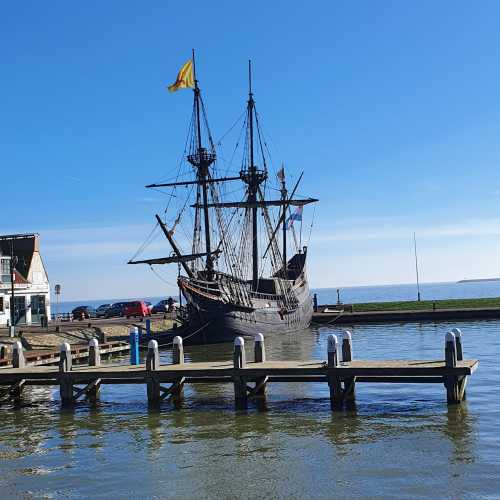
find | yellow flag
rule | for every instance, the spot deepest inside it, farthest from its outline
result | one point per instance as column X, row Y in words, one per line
column 185, row 78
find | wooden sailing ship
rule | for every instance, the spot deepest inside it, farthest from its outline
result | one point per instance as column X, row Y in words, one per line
column 236, row 278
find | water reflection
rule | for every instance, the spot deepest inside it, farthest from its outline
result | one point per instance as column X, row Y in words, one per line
column 291, row 439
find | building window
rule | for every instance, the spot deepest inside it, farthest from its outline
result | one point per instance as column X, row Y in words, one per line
column 1, row 304
column 5, row 270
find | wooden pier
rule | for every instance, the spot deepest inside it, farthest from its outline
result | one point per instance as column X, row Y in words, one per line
column 250, row 379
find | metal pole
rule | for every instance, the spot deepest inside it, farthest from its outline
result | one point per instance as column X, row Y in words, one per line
column 13, row 263
column 416, row 265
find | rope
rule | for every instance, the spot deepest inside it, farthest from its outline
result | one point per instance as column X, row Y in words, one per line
column 189, row 336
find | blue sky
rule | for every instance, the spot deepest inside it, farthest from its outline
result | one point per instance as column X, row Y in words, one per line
column 391, row 109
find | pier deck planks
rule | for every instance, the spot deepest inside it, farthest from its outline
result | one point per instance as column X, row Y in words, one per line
column 356, row 368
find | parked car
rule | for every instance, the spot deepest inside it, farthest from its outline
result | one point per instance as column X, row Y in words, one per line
column 150, row 306
column 161, row 307
column 101, row 310
column 115, row 310
column 136, row 308
column 83, row 312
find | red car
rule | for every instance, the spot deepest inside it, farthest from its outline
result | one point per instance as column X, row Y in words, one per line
column 137, row 308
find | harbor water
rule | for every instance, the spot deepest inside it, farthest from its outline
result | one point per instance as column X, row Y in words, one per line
column 401, row 441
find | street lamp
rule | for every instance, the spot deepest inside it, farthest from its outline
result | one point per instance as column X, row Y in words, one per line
column 13, row 264
column 57, row 290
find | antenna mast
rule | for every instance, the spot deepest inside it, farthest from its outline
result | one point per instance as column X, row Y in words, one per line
column 416, row 265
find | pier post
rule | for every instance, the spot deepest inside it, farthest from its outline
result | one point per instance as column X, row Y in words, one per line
column 18, row 360
column 239, row 363
column 94, row 360
column 148, row 328
column 451, row 381
column 260, row 357
column 65, row 379
column 462, row 381
column 134, row 345
column 152, row 365
column 3, row 351
column 178, row 359
column 334, row 381
column 349, row 383
column 458, row 342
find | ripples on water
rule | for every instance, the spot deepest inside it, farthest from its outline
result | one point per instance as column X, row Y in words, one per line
column 400, row 441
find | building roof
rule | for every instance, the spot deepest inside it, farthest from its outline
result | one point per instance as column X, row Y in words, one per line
column 23, row 245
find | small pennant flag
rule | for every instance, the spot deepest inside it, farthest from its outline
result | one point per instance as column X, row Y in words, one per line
column 185, row 78
column 297, row 215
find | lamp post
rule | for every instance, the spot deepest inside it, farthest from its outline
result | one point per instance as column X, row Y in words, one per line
column 57, row 290
column 13, row 263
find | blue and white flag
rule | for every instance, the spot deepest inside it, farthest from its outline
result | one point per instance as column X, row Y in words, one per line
column 297, row 215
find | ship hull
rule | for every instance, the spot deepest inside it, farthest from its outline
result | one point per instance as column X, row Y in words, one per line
column 212, row 321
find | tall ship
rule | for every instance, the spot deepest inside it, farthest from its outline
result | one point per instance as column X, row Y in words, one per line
column 235, row 238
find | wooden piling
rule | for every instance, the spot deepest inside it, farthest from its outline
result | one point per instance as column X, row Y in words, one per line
column 458, row 342
column 65, row 380
column 94, row 360
column 334, row 381
column 260, row 357
column 350, row 382
column 451, row 381
column 239, row 363
column 462, row 381
column 18, row 361
column 152, row 365
column 177, row 389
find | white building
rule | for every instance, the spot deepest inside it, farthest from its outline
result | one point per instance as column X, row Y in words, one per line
column 31, row 283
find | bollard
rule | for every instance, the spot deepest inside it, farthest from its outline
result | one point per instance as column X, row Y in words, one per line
column 3, row 351
column 347, row 346
column 259, row 349
column 451, row 381
column 18, row 360
column 134, row 345
column 260, row 357
column 450, row 350
column 462, row 382
column 349, row 382
column 153, row 364
column 334, row 381
column 333, row 359
column 178, row 351
column 177, row 390
column 94, row 360
column 12, row 331
column 458, row 342
column 94, row 353
column 65, row 379
column 239, row 362
column 148, row 327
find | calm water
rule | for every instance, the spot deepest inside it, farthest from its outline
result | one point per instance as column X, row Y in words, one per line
column 400, row 442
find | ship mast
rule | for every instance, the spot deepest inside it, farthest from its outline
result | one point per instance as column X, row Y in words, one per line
column 202, row 159
column 253, row 178
column 283, row 198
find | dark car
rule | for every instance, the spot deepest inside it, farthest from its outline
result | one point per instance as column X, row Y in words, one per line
column 161, row 307
column 116, row 310
column 83, row 312
column 101, row 310
column 165, row 305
